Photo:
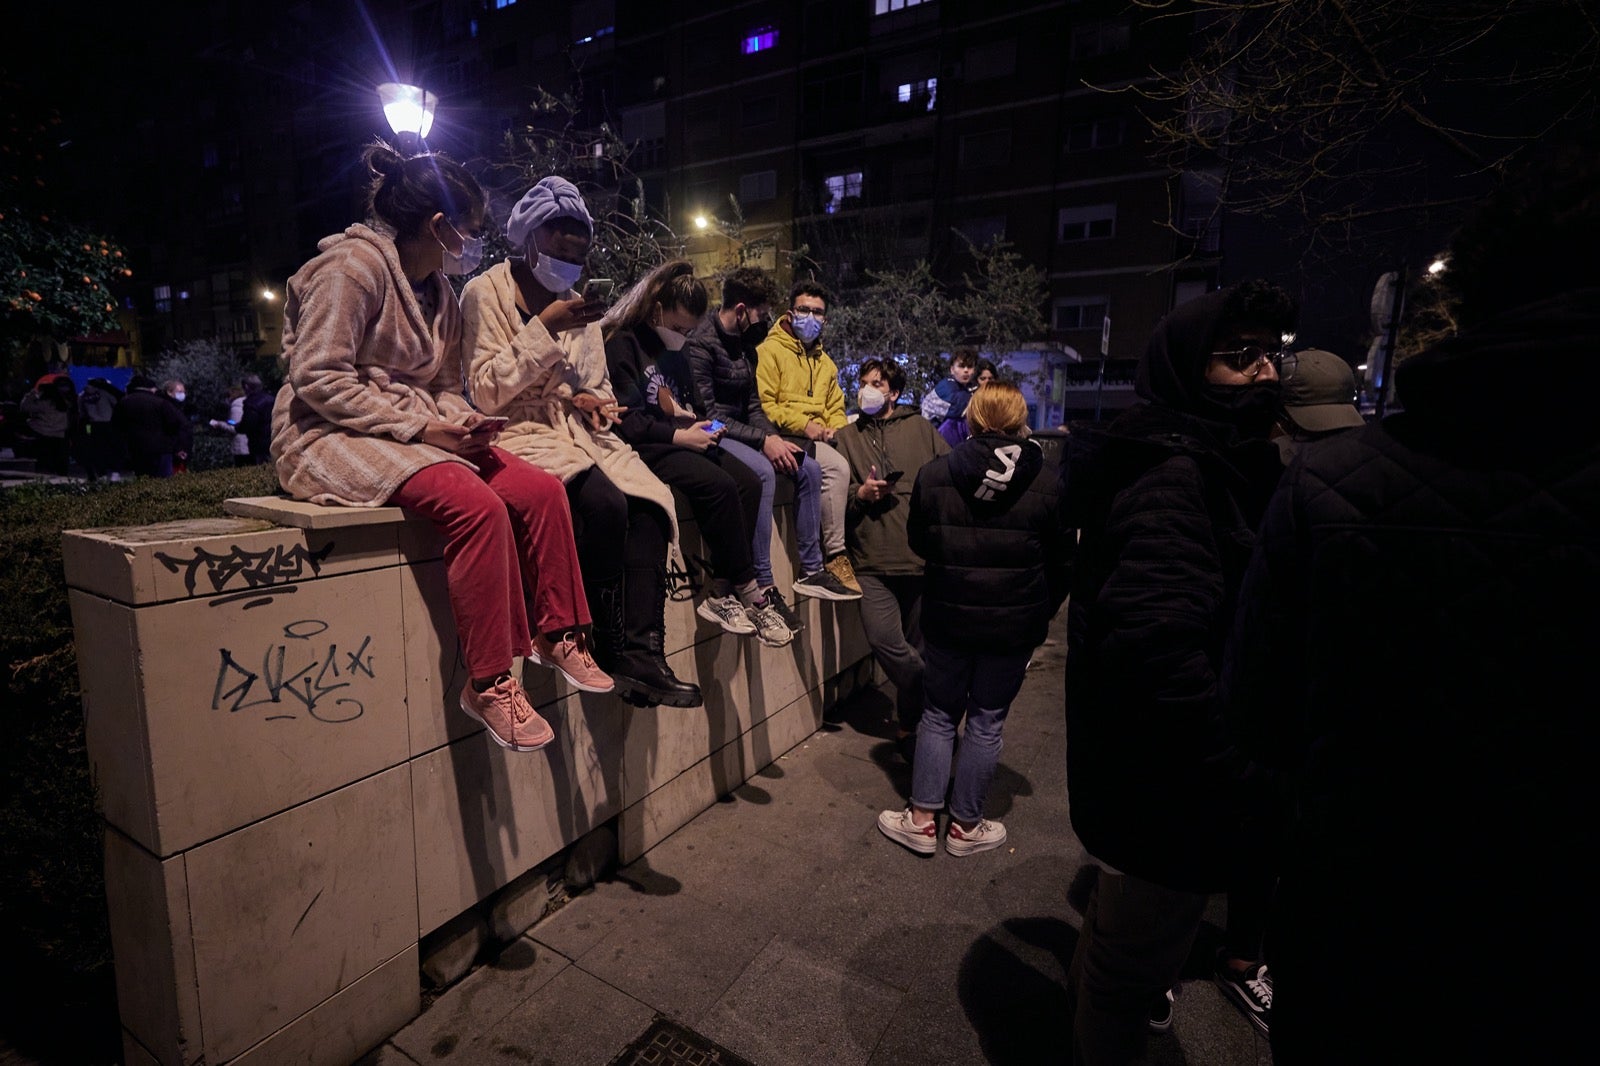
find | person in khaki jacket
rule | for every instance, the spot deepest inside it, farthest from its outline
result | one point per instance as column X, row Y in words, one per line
column 799, row 388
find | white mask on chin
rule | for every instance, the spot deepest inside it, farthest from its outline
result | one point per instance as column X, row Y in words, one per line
column 671, row 338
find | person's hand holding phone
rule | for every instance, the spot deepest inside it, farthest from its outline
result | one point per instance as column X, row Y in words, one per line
column 697, row 436
column 874, row 488
column 783, row 455
column 561, row 315
column 446, row 436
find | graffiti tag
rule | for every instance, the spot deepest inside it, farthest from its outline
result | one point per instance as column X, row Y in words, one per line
column 257, row 568
column 296, row 676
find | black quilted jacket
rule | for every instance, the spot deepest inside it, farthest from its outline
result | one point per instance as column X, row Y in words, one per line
column 987, row 518
column 724, row 373
column 1416, row 647
column 1167, row 503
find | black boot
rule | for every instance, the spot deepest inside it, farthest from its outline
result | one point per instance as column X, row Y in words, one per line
column 606, row 607
column 642, row 674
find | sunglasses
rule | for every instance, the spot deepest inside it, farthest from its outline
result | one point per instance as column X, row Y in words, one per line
column 1250, row 359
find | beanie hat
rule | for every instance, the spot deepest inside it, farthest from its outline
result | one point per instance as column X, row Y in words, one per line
column 1320, row 395
column 551, row 198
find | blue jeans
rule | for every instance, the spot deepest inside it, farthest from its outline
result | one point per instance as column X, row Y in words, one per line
column 981, row 686
column 807, row 510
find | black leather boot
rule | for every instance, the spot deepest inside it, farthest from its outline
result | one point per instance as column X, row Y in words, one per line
column 642, row 672
column 606, row 607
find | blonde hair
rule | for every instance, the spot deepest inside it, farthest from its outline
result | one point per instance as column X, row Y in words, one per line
column 671, row 284
column 997, row 407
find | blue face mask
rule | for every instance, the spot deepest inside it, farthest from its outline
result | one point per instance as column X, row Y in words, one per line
column 806, row 326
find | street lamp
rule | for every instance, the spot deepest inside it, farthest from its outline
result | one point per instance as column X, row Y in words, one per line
column 409, row 110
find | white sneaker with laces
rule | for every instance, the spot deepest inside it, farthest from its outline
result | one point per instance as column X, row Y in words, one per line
column 984, row 836
column 770, row 629
column 728, row 613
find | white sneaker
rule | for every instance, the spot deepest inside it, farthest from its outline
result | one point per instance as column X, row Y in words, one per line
column 770, row 629
column 984, row 836
column 728, row 613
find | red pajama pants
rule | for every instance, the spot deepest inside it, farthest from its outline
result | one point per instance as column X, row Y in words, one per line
column 505, row 526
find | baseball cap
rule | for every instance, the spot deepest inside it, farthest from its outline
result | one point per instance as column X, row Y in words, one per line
column 1320, row 394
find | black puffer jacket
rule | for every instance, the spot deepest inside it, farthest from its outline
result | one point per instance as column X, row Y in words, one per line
column 987, row 518
column 724, row 372
column 1167, row 503
column 1416, row 638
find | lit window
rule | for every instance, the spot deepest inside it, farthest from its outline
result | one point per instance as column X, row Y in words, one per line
column 498, row 4
column 927, row 89
column 884, row 7
column 603, row 31
column 759, row 41
column 841, row 187
column 1081, row 312
column 1087, row 223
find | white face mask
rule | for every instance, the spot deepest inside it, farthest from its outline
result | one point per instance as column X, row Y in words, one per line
column 556, row 275
column 180, row 396
column 471, row 254
column 671, row 338
column 871, row 399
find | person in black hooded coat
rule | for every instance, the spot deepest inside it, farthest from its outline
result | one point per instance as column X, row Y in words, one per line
column 1442, row 755
column 986, row 518
column 1166, row 499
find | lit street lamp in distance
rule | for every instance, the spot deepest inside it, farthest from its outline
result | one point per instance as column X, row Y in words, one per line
column 409, row 111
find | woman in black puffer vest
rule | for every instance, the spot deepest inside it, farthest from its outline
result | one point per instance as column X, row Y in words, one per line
column 987, row 520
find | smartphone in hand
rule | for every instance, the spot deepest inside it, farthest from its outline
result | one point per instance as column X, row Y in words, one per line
column 716, row 426
column 488, row 427
column 598, row 291
column 892, row 476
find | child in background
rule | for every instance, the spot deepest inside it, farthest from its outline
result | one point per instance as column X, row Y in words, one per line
column 949, row 398
column 954, row 428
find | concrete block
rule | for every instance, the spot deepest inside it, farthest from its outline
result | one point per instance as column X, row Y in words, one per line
column 485, row 815
column 657, row 815
column 153, row 950
column 292, row 910
column 449, row 951
column 299, row 514
column 244, row 707
column 215, row 558
column 346, row 1026
column 435, row 671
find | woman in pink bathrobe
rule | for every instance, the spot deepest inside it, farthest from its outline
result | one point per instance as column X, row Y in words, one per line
column 372, row 413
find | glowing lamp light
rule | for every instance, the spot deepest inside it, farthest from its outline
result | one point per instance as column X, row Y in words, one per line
column 1436, row 267
column 701, row 222
column 268, row 295
column 408, row 108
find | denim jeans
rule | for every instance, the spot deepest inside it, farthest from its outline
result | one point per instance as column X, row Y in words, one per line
column 807, row 510
column 891, row 616
column 981, row 686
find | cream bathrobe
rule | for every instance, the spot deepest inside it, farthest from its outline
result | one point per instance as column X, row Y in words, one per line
column 529, row 376
column 366, row 373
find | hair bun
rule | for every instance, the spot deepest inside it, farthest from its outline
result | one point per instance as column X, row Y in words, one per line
column 384, row 160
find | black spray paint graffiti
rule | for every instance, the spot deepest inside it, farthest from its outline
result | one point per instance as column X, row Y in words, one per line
column 257, row 568
column 311, row 686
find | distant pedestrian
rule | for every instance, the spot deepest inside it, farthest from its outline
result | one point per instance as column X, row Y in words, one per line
column 987, row 518
column 256, row 418
column 103, row 451
column 151, row 425
column 178, row 393
column 50, row 421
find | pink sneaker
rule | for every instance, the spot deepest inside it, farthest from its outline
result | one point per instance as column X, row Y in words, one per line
column 505, row 712
column 571, row 656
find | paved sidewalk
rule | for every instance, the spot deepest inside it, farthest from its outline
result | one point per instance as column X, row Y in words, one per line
column 784, row 928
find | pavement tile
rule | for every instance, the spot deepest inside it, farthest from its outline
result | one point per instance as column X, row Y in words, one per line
column 791, row 1008
column 574, row 1020
column 679, row 954
column 452, row 1028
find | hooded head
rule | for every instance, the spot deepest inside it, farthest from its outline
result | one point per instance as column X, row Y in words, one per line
column 1174, row 370
column 551, row 198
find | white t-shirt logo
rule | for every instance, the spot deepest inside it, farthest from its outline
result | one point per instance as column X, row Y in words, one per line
column 997, row 478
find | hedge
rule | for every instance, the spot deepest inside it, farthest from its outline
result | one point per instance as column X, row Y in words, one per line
column 52, row 889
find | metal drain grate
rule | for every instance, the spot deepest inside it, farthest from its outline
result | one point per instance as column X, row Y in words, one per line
column 666, row 1043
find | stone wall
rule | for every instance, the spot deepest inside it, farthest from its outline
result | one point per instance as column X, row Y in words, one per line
column 293, row 799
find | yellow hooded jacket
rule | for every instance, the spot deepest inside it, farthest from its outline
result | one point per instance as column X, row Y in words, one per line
column 795, row 385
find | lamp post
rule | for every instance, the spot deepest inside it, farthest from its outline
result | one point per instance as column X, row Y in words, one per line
column 410, row 111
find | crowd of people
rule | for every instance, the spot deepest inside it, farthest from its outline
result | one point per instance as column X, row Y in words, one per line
column 146, row 429
column 1313, row 663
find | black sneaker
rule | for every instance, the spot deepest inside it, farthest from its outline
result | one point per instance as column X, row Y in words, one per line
column 1161, row 1013
column 775, row 600
column 824, row 586
column 1250, row 990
